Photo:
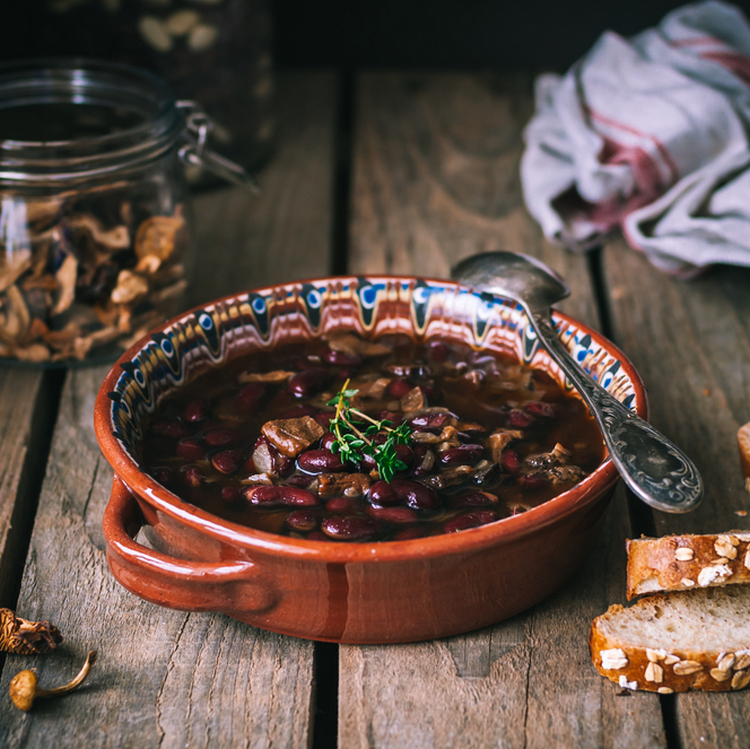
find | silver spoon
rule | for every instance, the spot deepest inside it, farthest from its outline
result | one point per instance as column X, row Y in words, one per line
column 656, row 470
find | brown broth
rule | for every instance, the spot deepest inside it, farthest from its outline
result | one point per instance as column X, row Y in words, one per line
column 488, row 391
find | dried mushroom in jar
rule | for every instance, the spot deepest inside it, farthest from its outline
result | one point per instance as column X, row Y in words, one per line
column 86, row 268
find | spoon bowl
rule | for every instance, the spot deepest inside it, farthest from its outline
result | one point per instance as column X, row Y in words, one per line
column 656, row 470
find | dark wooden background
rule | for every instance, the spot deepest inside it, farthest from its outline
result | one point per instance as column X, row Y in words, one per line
column 347, row 34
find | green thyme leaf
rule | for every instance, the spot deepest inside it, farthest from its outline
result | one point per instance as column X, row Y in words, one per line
column 355, row 434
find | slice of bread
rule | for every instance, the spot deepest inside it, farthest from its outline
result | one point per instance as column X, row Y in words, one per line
column 698, row 639
column 688, row 561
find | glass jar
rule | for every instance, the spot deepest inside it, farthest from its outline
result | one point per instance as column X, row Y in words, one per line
column 94, row 216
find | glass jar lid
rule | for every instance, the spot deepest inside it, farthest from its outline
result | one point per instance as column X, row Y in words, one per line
column 78, row 119
column 71, row 120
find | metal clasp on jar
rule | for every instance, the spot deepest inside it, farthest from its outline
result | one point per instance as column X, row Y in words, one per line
column 196, row 152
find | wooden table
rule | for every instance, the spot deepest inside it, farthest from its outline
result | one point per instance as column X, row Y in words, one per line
column 387, row 172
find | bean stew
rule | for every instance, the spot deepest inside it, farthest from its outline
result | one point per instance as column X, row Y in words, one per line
column 481, row 437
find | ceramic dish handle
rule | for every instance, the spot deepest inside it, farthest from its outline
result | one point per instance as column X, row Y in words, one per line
column 172, row 582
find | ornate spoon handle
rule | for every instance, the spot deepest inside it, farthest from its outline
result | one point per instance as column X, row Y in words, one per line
column 655, row 469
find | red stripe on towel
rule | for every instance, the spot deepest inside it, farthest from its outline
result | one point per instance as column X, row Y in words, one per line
column 696, row 41
column 674, row 172
column 734, row 62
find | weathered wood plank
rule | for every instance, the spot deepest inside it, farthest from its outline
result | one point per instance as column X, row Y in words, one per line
column 19, row 392
column 698, row 381
column 435, row 180
column 167, row 678
column 699, row 389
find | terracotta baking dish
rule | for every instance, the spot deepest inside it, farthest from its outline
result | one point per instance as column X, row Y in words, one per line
column 383, row 592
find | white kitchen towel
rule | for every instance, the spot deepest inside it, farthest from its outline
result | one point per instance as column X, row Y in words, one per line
column 650, row 135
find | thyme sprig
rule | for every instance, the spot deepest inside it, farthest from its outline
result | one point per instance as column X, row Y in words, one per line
column 356, row 432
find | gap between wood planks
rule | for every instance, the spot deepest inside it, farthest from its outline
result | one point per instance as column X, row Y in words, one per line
column 326, row 654
column 641, row 516
column 44, row 418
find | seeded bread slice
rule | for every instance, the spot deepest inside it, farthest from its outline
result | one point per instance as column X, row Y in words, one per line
column 698, row 639
column 689, row 561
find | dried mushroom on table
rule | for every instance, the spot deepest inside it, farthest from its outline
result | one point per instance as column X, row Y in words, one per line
column 84, row 269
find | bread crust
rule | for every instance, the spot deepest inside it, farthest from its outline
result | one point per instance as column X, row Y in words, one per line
column 684, row 562
column 682, row 670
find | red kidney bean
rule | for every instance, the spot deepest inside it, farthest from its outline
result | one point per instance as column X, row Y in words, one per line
column 324, row 419
column 405, row 454
column 520, row 419
column 398, row 388
column 341, row 504
column 469, row 520
column 476, row 499
column 300, row 409
column 283, row 464
column 301, row 480
column 438, row 352
column 366, row 463
column 392, row 514
column 533, row 483
column 169, row 428
column 393, row 417
column 539, row 408
column 327, row 440
column 431, row 393
column 461, row 455
column 222, row 437
column 416, row 495
column 230, row 493
column 382, row 493
column 588, row 459
column 320, row 461
column 311, row 361
column 429, row 420
column 316, row 536
column 406, row 534
column 302, row 520
column 510, row 460
column 280, row 496
column 195, row 411
column 349, row 528
column 190, row 449
column 192, row 476
column 163, row 475
column 307, row 383
column 227, row 461
column 249, row 398
column 341, row 358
